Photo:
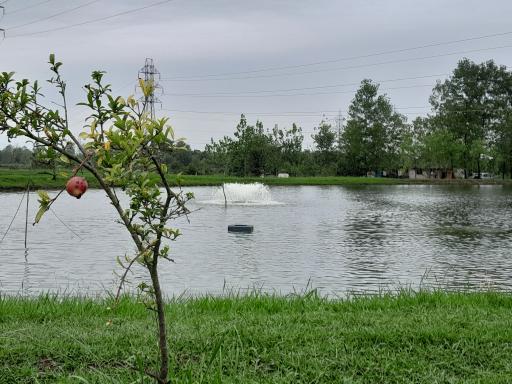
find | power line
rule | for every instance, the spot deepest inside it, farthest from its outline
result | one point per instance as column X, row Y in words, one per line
column 291, row 113
column 297, row 115
column 263, row 93
column 52, row 16
column 329, row 86
column 356, row 57
column 93, row 20
column 306, row 114
column 206, row 95
column 266, row 114
column 345, row 68
column 27, row 8
column 300, row 89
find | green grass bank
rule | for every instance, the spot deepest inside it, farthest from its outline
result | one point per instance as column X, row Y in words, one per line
column 17, row 179
column 406, row 338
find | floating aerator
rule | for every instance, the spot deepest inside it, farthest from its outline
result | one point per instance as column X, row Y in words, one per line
column 240, row 228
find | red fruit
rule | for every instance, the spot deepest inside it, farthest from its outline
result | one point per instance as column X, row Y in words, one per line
column 76, row 186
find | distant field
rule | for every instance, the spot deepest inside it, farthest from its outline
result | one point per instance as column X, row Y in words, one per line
column 17, row 179
column 272, row 180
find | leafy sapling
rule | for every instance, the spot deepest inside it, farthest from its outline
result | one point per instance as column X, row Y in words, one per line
column 121, row 146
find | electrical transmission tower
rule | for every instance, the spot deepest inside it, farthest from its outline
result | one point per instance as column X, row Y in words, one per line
column 150, row 75
column 339, row 127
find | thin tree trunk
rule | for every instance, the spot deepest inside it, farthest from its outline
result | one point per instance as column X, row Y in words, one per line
column 465, row 156
column 162, row 331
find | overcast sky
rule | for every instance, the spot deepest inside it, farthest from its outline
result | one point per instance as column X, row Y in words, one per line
column 214, row 56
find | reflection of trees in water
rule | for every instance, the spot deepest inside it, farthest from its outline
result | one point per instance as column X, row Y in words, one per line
column 385, row 236
column 343, row 238
column 470, row 220
column 468, row 276
column 367, row 234
column 471, row 232
column 461, row 233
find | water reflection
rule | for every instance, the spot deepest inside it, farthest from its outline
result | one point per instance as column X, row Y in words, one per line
column 339, row 238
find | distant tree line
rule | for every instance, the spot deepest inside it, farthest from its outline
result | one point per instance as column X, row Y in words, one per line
column 469, row 128
column 12, row 156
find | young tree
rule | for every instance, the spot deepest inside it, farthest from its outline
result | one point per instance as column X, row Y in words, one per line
column 121, row 147
column 218, row 156
column 47, row 158
column 250, row 153
column 324, row 137
column 470, row 104
column 371, row 139
column 325, row 140
column 288, row 144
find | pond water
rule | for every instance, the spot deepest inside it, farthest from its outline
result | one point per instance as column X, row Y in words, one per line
column 336, row 239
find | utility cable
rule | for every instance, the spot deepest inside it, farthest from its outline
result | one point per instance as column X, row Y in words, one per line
column 92, row 20
column 351, row 57
column 27, row 8
column 344, row 68
column 314, row 114
column 51, row 16
column 206, row 95
column 326, row 86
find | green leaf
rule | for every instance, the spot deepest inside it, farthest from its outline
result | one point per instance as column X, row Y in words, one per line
column 43, row 196
column 64, row 159
column 40, row 213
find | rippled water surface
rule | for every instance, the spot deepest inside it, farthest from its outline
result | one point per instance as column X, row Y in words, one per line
column 339, row 239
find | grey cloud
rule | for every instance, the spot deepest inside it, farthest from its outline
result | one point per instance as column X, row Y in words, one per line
column 195, row 37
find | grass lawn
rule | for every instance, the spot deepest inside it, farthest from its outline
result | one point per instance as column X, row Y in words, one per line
column 405, row 338
column 17, row 179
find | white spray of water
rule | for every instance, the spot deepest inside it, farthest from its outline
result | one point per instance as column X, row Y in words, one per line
column 243, row 194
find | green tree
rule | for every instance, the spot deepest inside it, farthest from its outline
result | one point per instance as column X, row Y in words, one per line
column 470, row 105
column 325, row 140
column 502, row 143
column 250, row 153
column 288, row 144
column 324, row 137
column 373, row 132
column 441, row 150
column 501, row 137
column 121, row 146
column 218, row 156
column 15, row 156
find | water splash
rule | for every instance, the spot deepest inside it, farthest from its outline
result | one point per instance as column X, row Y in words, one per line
column 243, row 194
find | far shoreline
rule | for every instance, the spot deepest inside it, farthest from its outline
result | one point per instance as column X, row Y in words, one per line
column 14, row 180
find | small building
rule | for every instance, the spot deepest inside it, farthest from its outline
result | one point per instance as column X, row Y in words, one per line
column 417, row 174
column 432, row 173
column 283, row 175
